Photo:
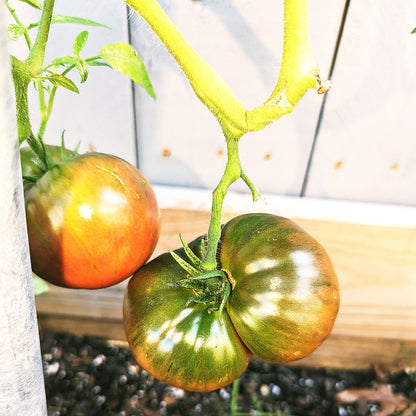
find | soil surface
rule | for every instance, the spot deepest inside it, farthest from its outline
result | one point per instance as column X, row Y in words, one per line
column 88, row 376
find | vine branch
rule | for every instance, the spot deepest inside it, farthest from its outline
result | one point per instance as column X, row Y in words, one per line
column 297, row 73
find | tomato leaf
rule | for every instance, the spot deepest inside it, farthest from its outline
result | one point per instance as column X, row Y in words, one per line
column 15, row 31
column 97, row 62
column 58, row 18
column 59, row 80
column 64, row 60
column 33, row 3
column 122, row 57
column 80, row 42
column 82, row 68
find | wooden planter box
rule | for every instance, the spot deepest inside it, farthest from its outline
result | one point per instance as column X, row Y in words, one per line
column 373, row 248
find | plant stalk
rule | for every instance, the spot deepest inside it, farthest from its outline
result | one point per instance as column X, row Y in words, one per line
column 37, row 53
column 24, row 71
column 231, row 173
column 297, row 73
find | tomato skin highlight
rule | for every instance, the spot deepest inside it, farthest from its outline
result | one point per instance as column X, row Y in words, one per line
column 286, row 294
column 184, row 346
column 92, row 222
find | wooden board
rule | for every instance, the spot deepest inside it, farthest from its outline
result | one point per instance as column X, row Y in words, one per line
column 376, row 266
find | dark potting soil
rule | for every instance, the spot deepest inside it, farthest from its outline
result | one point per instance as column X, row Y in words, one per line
column 88, row 376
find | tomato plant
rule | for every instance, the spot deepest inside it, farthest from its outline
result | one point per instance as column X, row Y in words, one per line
column 92, row 221
column 280, row 295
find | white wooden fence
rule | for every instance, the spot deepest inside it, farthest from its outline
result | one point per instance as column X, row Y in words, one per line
column 364, row 147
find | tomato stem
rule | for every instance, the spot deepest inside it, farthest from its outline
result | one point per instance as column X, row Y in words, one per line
column 25, row 71
column 232, row 172
column 297, row 74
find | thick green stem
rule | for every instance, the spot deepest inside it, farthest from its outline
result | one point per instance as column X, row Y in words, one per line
column 231, row 174
column 25, row 71
column 297, row 73
column 37, row 53
column 21, row 80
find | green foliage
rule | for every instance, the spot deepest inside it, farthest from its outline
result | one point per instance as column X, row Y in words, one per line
column 59, row 80
column 123, row 57
column 33, row 3
column 48, row 78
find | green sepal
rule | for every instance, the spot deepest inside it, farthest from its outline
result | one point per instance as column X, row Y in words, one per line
column 193, row 258
column 41, row 151
column 32, row 179
column 191, row 270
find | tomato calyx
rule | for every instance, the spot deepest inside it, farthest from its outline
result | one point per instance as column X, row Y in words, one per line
column 209, row 286
column 45, row 157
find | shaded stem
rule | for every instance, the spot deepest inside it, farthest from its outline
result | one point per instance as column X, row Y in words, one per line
column 231, row 173
column 234, row 397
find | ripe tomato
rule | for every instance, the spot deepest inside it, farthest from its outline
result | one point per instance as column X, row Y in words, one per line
column 91, row 221
column 283, row 305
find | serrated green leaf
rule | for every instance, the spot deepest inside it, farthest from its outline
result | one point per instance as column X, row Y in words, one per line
column 80, row 42
column 123, row 57
column 59, row 80
column 33, row 3
column 413, row 31
column 15, row 31
column 58, row 18
column 82, row 68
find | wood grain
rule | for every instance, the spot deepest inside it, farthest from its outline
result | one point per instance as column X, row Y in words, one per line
column 376, row 267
